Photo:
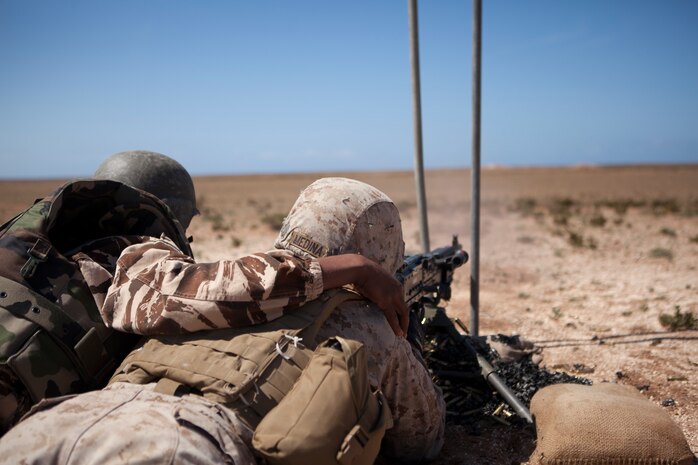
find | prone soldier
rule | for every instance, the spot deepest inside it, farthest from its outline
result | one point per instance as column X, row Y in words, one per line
column 339, row 215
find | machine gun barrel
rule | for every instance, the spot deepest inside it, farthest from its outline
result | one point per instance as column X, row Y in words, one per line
column 500, row 386
column 486, row 369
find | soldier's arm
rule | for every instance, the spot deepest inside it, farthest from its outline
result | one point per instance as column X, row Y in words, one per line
column 372, row 281
column 158, row 290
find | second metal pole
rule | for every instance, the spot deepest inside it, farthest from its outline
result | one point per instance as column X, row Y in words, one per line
column 417, row 116
column 475, row 174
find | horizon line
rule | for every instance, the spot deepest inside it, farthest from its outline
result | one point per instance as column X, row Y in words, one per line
column 486, row 167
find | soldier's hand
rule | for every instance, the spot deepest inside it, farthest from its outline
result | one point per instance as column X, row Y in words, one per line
column 386, row 292
column 373, row 282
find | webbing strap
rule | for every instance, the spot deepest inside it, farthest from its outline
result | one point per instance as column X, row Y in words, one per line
column 315, row 314
column 334, row 298
column 273, row 384
column 170, row 387
column 24, row 303
column 365, row 436
column 37, row 254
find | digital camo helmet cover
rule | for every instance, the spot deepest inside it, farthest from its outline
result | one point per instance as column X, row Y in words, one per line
column 334, row 216
column 157, row 174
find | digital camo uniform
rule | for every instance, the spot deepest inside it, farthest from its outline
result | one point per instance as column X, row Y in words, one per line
column 367, row 222
column 127, row 423
column 95, row 249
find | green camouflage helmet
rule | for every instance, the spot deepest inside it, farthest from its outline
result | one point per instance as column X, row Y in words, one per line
column 157, row 174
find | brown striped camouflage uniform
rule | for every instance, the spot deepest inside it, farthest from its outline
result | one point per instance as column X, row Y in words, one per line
column 156, row 289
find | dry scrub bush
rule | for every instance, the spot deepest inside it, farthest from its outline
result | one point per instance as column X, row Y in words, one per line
column 274, row 220
column 679, row 321
column 661, row 252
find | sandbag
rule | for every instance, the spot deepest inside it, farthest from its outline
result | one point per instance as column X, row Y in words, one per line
column 604, row 424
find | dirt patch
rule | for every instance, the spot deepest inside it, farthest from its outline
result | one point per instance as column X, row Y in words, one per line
column 582, row 261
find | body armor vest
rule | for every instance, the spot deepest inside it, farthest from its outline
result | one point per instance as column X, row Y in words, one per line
column 246, row 369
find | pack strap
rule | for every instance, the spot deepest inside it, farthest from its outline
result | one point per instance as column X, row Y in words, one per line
column 272, row 382
column 37, row 254
column 24, row 303
column 332, row 300
column 171, row 387
column 365, row 437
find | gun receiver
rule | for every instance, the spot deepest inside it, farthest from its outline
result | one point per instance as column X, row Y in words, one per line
column 426, row 280
column 429, row 275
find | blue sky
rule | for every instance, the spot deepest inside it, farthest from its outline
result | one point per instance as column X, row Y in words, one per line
column 276, row 86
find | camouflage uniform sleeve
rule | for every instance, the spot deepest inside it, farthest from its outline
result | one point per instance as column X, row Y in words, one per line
column 159, row 290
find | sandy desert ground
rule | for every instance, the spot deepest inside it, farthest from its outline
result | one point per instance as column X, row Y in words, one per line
column 583, row 261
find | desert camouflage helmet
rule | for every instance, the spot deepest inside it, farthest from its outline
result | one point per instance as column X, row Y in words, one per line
column 157, row 174
column 339, row 215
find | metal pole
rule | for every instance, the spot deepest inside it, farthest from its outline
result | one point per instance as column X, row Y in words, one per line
column 475, row 173
column 417, row 115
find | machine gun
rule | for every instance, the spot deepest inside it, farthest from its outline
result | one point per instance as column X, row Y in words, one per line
column 426, row 280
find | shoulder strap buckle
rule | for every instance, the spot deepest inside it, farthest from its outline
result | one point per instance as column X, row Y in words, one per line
column 37, row 254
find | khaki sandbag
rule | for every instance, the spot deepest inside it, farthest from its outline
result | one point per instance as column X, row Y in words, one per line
column 604, row 424
column 330, row 416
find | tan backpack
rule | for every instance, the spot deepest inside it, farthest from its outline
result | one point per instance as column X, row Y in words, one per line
column 330, row 416
column 250, row 370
